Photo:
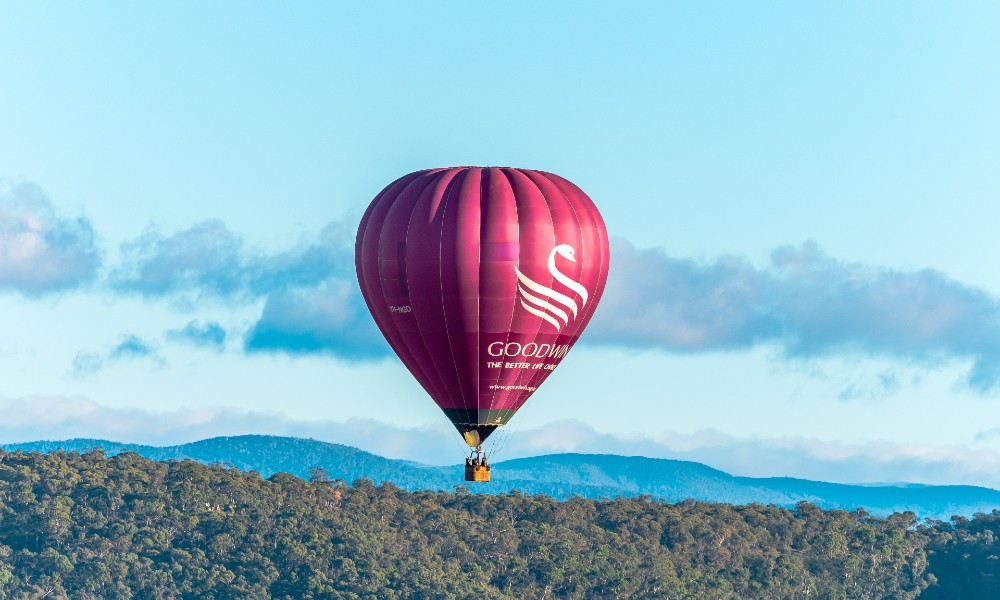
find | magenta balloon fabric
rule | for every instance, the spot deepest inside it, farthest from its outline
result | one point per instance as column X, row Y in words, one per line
column 481, row 280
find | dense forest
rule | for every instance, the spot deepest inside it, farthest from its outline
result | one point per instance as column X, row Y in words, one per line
column 88, row 526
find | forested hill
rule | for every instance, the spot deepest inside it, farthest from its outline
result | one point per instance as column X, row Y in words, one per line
column 87, row 526
column 559, row 476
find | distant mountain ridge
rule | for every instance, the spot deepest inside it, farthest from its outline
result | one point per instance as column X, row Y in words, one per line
column 557, row 475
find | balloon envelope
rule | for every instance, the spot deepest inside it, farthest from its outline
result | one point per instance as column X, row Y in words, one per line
column 481, row 280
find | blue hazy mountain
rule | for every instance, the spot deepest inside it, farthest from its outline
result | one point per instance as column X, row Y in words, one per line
column 557, row 475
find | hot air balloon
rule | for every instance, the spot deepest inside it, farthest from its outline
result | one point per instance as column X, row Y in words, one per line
column 481, row 280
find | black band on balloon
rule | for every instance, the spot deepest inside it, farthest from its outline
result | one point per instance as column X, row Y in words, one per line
column 467, row 416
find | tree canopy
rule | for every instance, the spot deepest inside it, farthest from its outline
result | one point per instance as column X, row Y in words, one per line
column 89, row 526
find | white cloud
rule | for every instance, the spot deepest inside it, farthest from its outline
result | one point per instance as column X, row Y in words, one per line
column 312, row 301
column 331, row 319
column 805, row 302
column 209, row 260
column 41, row 251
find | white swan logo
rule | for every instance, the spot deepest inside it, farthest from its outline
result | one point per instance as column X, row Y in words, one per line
column 538, row 299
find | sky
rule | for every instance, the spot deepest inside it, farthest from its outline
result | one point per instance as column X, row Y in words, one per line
column 802, row 200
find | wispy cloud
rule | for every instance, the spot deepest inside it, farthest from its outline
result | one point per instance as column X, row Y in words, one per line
column 311, row 300
column 210, row 334
column 129, row 347
column 805, row 301
column 41, row 251
column 204, row 259
column 208, row 259
column 991, row 435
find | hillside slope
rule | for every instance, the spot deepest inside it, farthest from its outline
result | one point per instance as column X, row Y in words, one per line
column 557, row 475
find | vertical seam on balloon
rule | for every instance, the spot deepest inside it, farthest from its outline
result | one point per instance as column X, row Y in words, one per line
column 363, row 231
column 593, row 305
column 482, row 207
column 402, row 345
column 555, row 241
column 449, row 190
column 423, row 341
column 513, row 308
column 479, row 301
column 584, row 318
column 482, row 200
column 440, row 380
column 602, row 242
column 583, row 259
column 552, row 220
column 572, row 205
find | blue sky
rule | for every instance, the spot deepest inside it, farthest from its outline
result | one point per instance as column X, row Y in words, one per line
column 803, row 200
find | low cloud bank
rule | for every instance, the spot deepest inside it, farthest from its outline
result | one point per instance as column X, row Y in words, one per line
column 756, row 456
column 41, row 417
column 53, row 418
